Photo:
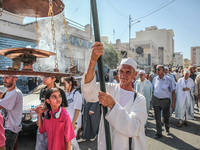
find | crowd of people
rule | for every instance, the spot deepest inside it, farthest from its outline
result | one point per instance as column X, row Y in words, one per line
column 128, row 99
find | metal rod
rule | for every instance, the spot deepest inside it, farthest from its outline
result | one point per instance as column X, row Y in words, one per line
column 100, row 69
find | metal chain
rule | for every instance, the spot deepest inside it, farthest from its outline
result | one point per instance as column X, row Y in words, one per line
column 68, row 43
column 50, row 13
column 37, row 42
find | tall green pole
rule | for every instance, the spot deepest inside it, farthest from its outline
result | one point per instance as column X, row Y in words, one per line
column 100, row 69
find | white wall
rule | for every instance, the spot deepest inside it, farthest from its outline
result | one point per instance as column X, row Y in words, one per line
column 12, row 17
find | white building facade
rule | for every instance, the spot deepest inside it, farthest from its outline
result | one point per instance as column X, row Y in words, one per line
column 195, row 56
column 178, row 59
column 13, row 33
column 161, row 39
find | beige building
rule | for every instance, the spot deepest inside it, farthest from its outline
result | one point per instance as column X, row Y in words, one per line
column 186, row 63
column 149, row 47
column 195, row 55
column 161, row 40
column 159, row 43
column 178, row 59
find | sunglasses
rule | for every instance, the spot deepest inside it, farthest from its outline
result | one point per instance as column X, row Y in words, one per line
column 141, row 74
column 157, row 69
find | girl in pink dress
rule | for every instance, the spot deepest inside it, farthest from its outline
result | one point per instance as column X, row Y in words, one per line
column 2, row 134
column 56, row 123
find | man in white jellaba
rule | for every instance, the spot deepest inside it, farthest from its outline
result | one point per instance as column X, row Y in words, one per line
column 185, row 99
column 144, row 87
column 126, row 116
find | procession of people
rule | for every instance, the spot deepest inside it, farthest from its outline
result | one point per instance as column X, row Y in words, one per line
column 128, row 102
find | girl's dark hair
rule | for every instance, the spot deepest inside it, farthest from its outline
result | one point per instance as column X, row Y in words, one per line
column 73, row 80
column 48, row 95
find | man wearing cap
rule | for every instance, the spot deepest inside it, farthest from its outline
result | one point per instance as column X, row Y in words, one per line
column 126, row 116
column 11, row 110
column 162, row 87
column 185, row 99
column 144, row 87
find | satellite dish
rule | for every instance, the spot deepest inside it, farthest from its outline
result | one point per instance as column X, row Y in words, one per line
column 139, row 50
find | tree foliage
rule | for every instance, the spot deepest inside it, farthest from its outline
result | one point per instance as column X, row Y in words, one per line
column 111, row 55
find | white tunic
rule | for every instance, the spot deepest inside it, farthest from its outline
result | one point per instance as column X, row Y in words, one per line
column 125, row 122
column 74, row 101
column 184, row 99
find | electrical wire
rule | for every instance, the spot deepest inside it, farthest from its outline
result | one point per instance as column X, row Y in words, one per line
column 123, row 32
column 108, row 1
column 76, row 8
column 153, row 11
column 148, row 15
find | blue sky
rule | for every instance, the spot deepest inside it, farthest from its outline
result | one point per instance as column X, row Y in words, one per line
column 181, row 15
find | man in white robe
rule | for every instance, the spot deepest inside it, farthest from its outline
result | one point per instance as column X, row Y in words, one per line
column 144, row 87
column 126, row 116
column 185, row 99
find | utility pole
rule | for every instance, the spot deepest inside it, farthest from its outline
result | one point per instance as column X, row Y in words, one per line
column 129, row 47
column 129, row 32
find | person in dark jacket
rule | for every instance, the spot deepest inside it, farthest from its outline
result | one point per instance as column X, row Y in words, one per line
column 91, row 120
column 192, row 73
column 107, row 77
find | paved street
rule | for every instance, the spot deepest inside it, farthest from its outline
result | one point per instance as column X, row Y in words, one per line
column 183, row 138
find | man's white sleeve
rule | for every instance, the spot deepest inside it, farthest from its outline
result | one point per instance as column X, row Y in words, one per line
column 90, row 91
column 129, row 124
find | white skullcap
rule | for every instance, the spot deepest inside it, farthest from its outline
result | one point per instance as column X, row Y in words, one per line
column 129, row 61
column 142, row 71
column 186, row 71
column 166, row 67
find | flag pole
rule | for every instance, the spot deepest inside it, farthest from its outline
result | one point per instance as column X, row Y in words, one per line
column 100, row 69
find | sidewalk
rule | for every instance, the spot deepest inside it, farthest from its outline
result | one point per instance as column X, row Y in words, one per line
column 181, row 138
